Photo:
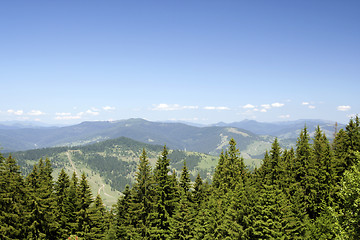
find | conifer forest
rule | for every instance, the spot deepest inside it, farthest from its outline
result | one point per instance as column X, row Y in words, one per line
column 311, row 191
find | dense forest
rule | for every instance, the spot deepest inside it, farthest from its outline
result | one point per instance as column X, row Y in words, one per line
column 311, row 191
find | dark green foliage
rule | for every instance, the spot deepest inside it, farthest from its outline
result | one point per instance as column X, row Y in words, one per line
column 349, row 194
column 62, row 187
column 84, row 199
column 143, row 191
column 182, row 221
column 185, row 180
column 13, row 198
column 98, row 218
column 166, row 195
column 43, row 222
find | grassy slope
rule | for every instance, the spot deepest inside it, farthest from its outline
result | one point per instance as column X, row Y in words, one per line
column 112, row 164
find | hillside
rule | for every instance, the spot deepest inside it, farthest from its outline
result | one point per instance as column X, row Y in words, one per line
column 209, row 140
column 285, row 129
column 111, row 164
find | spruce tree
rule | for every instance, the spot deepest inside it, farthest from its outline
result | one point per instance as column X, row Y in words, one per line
column 306, row 173
column 182, row 221
column 165, row 196
column 229, row 181
column 185, row 182
column 340, row 149
column 198, row 193
column 84, row 200
column 143, row 196
column 97, row 214
column 13, row 198
column 348, row 214
column 42, row 202
column 61, row 193
column 324, row 163
column 71, row 207
column 124, row 230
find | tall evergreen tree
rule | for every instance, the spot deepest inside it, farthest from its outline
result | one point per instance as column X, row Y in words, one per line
column 143, row 196
column 340, row 149
column 43, row 222
column 324, row 163
column 185, row 182
column 71, row 207
column 306, row 173
column 13, row 198
column 97, row 214
column 348, row 214
column 165, row 194
column 182, row 221
column 124, row 229
column 84, row 199
column 61, row 193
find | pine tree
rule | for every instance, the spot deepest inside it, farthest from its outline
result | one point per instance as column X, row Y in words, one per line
column 306, row 173
column 198, row 193
column 166, row 194
column 229, row 180
column 124, row 230
column 348, row 215
column 84, row 200
column 287, row 178
column 43, row 222
column 230, row 170
column 143, row 196
column 182, row 222
column 61, row 193
column 340, row 149
column 97, row 214
column 324, row 163
column 13, row 198
column 71, row 207
column 185, row 182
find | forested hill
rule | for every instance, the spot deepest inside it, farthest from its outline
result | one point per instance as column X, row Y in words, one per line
column 113, row 162
column 310, row 191
column 286, row 129
column 210, row 140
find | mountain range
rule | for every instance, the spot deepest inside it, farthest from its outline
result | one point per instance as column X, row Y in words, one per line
column 253, row 137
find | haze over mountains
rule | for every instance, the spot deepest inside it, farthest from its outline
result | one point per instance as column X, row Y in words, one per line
column 253, row 137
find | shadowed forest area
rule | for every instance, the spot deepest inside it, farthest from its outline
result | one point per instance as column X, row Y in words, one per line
column 311, row 191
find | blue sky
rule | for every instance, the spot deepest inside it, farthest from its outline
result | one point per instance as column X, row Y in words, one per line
column 65, row 62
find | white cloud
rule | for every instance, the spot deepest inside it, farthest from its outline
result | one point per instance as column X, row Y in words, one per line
column 190, row 107
column 108, row 108
column 91, row 112
column 63, row 114
column 249, row 106
column 312, row 107
column 216, row 108
column 277, row 104
column 16, row 112
column 266, row 106
column 305, row 103
column 343, row 108
column 35, row 113
column 284, row 116
column 263, row 110
column 67, row 117
column 172, row 107
column 166, row 107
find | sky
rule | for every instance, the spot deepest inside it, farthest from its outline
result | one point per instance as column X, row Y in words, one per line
column 65, row 62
